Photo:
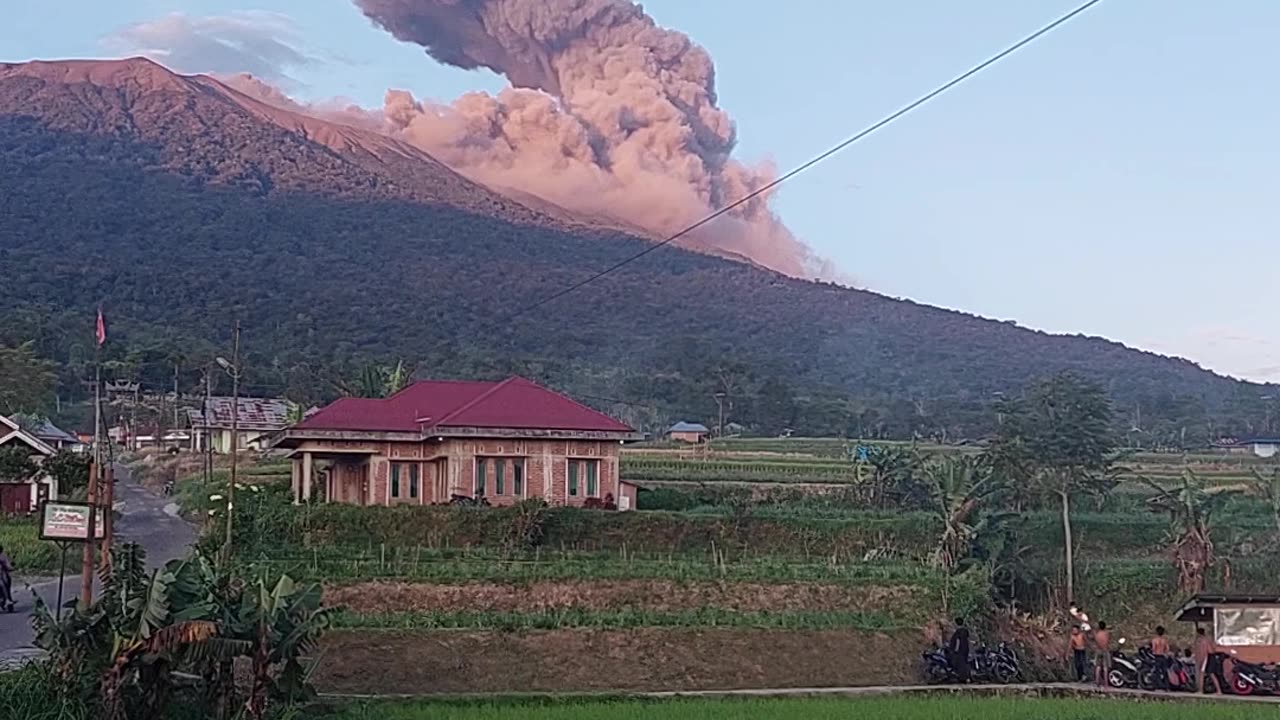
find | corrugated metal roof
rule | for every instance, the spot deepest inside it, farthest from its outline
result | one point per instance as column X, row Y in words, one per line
column 689, row 427
column 47, row 431
column 514, row 403
column 254, row 413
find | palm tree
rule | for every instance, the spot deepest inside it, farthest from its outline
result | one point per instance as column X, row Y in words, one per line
column 1191, row 505
column 962, row 491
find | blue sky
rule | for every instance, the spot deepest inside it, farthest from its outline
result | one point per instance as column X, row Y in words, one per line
column 1118, row 178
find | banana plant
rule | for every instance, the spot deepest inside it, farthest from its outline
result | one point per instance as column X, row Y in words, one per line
column 283, row 621
column 962, row 496
column 1191, row 505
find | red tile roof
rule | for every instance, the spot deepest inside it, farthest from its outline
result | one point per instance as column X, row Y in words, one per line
column 514, row 403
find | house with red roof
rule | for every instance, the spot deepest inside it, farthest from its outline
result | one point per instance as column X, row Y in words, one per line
column 435, row 441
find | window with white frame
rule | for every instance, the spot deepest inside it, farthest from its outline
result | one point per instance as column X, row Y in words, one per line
column 583, row 479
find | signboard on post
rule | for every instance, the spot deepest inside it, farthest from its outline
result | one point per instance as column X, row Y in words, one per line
column 69, row 522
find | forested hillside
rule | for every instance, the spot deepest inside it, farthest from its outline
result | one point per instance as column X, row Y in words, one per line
column 182, row 209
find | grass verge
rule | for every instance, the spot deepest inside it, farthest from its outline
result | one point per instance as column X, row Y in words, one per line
column 20, row 538
column 804, row 709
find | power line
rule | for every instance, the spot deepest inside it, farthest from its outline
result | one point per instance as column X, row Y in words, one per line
column 820, row 158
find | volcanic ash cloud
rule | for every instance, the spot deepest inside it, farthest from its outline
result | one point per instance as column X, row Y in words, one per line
column 608, row 115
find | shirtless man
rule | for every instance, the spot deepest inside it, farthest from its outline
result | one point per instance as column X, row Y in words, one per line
column 1201, row 651
column 1078, row 656
column 1102, row 644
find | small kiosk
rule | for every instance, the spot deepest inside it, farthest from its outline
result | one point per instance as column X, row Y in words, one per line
column 1244, row 626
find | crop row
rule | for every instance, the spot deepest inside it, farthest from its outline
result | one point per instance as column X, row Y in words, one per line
column 422, row 564
column 578, row 617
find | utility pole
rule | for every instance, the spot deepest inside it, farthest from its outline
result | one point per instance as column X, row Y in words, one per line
column 233, row 369
column 720, row 396
column 175, row 396
column 205, row 438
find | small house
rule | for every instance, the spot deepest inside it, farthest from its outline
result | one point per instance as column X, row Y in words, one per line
column 438, row 442
column 688, row 432
column 23, row 497
column 255, row 420
column 57, row 438
column 1263, row 447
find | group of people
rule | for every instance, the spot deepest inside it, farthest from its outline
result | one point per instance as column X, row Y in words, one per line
column 1204, row 653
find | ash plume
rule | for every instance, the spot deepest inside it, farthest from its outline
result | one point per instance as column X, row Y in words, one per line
column 608, row 114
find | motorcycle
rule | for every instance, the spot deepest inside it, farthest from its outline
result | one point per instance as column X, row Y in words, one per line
column 1125, row 672
column 466, row 501
column 1249, row 678
column 999, row 665
column 1162, row 673
column 937, row 667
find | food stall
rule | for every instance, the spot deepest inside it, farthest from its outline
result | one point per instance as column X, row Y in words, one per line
column 1243, row 626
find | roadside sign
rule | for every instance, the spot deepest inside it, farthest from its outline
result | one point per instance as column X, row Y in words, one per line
column 69, row 522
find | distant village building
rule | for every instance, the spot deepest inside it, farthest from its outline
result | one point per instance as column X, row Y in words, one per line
column 25, row 497
column 258, row 418
column 438, row 441
column 1263, row 447
column 57, row 438
column 688, row 432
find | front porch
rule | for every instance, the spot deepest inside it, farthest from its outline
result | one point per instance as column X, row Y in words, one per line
column 332, row 476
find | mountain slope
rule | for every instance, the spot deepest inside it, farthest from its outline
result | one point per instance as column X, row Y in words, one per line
column 182, row 204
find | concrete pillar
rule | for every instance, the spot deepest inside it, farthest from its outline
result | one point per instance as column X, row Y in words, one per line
column 306, row 477
column 295, row 480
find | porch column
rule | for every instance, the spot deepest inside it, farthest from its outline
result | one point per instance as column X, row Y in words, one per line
column 295, row 480
column 306, row 477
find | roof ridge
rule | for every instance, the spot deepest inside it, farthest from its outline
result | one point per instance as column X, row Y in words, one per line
column 566, row 396
column 472, row 403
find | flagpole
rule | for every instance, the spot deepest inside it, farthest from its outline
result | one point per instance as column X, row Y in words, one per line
column 86, row 568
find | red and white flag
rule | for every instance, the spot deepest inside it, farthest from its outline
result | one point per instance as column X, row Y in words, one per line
column 102, row 328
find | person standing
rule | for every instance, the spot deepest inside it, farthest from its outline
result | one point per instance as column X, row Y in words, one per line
column 1078, row 655
column 1203, row 651
column 958, row 651
column 1102, row 646
column 1160, row 649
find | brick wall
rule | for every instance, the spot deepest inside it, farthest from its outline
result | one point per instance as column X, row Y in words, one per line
column 545, row 464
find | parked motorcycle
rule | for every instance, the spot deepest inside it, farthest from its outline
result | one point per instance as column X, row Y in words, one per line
column 1162, row 673
column 999, row 665
column 937, row 667
column 466, row 501
column 1125, row 672
column 1250, row 678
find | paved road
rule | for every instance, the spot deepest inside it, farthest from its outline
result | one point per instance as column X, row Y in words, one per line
column 144, row 518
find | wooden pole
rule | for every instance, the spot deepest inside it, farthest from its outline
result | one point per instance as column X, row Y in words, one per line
column 86, row 566
column 108, row 522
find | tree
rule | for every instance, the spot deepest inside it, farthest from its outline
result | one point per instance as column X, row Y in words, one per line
column 16, row 465
column 1267, row 487
column 377, row 381
column 26, row 381
column 1061, row 429
column 121, row 652
column 962, row 492
column 70, row 470
column 1191, row 505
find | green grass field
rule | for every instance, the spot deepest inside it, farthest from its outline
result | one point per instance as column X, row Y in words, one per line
column 812, row 709
column 20, row 538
